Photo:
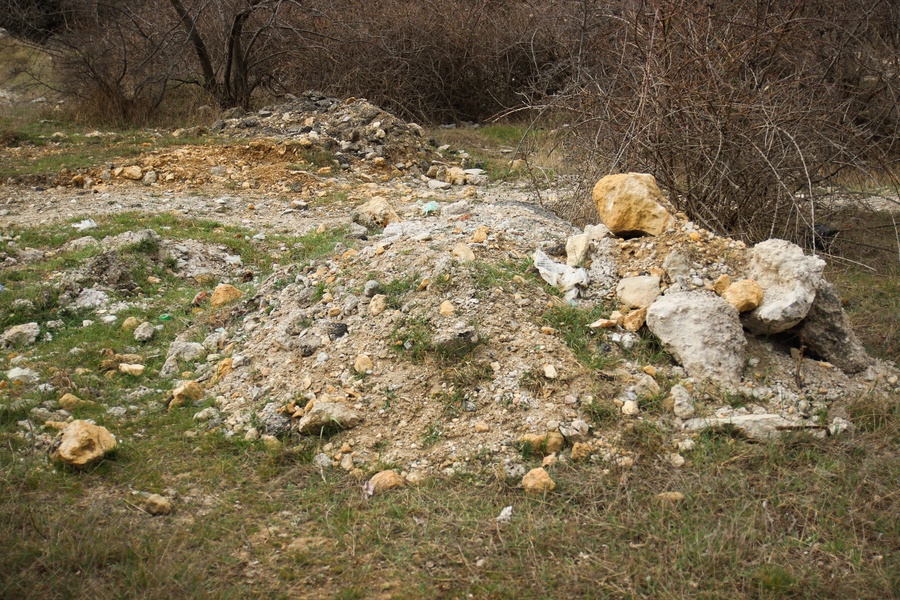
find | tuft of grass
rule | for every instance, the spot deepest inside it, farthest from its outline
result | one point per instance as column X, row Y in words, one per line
column 874, row 413
column 398, row 288
column 432, row 434
column 588, row 345
column 461, row 380
column 412, row 338
column 490, row 275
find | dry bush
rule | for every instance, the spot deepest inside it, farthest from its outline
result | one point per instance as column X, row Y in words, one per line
column 115, row 68
column 743, row 110
column 463, row 61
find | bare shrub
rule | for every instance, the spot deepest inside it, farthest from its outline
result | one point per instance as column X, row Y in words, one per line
column 463, row 61
column 743, row 110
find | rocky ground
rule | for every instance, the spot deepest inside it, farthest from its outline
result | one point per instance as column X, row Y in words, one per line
column 454, row 327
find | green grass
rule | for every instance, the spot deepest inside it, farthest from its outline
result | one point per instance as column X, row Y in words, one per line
column 75, row 150
column 397, row 289
column 800, row 518
column 492, row 147
column 166, row 302
column 873, row 302
column 587, row 344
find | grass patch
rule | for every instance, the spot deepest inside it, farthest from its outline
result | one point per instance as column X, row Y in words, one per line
column 588, row 346
column 412, row 338
column 64, row 145
column 398, row 288
column 864, row 265
column 493, row 147
column 801, row 519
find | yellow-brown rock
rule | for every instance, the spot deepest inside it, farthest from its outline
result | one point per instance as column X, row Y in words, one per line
column 225, row 366
column 580, row 451
column 187, row 391
column 224, row 294
column 157, row 505
column 635, row 319
column 537, row 481
column 133, row 369
column 82, row 443
column 670, row 497
column 386, row 480
column 133, row 172
column 375, row 213
column 543, row 445
column 631, row 204
column 722, row 284
column 745, row 295
column 378, row 305
column 363, row 364
column 71, row 402
column 481, row 234
column 463, row 252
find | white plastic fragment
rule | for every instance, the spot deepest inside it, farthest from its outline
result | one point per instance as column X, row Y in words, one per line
column 560, row 276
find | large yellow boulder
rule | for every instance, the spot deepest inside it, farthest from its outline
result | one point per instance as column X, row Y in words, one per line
column 630, row 204
column 82, row 443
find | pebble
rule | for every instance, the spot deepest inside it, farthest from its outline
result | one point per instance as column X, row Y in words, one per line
column 347, row 462
column 144, row 332
column 670, row 497
column 363, row 364
column 580, row 452
column 686, row 445
column 386, row 480
column 157, row 505
column 135, row 370
column 463, row 252
column 22, row 375
column 447, row 309
column 538, row 481
column 378, row 305
column 676, row 460
column 550, row 372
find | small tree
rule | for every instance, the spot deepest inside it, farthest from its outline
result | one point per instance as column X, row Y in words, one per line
column 235, row 44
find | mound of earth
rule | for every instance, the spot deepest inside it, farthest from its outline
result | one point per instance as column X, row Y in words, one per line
column 351, row 129
column 437, row 335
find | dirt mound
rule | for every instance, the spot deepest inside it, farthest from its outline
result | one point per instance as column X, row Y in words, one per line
column 449, row 361
column 351, row 129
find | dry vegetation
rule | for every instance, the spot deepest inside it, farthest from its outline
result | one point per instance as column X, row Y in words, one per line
column 752, row 115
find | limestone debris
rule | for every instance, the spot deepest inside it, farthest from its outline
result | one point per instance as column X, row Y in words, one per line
column 82, row 443
column 631, row 204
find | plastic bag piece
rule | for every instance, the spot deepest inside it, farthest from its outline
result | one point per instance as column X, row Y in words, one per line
column 563, row 277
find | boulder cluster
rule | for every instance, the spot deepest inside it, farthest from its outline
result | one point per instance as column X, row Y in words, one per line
column 780, row 290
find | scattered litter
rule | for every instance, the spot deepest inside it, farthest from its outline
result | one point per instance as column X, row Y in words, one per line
column 505, row 515
column 85, row 225
column 560, row 276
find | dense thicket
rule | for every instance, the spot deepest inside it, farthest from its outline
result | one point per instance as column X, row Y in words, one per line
column 743, row 109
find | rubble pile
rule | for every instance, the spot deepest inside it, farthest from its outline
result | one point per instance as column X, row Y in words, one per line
column 331, row 342
column 352, row 129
